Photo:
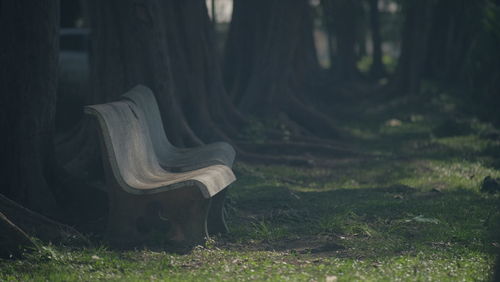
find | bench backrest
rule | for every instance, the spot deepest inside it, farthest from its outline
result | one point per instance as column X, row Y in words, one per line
column 127, row 144
column 144, row 98
column 185, row 160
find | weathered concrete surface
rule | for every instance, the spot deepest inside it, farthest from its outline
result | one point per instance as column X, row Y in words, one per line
column 134, row 162
column 139, row 188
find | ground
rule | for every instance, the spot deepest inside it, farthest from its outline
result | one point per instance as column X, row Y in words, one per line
column 408, row 207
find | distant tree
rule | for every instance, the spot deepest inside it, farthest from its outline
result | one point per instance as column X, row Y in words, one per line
column 415, row 46
column 438, row 39
column 455, row 26
column 377, row 69
column 343, row 19
column 480, row 69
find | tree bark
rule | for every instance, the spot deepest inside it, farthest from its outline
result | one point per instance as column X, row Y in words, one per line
column 265, row 77
column 130, row 48
column 197, row 74
column 28, row 81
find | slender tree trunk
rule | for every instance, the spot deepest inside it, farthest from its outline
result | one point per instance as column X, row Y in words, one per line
column 342, row 16
column 415, row 46
column 328, row 24
column 28, row 81
column 239, row 59
column 377, row 69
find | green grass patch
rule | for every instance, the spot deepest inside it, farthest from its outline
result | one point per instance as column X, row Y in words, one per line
column 409, row 211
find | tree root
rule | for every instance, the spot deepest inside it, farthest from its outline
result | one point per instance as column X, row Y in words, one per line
column 13, row 241
column 40, row 226
column 274, row 160
column 296, row 148
column 314, row 121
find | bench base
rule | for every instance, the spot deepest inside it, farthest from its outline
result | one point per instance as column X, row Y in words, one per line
column 132, row 217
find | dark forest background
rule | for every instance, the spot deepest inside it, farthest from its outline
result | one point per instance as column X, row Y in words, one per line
column 268, row 82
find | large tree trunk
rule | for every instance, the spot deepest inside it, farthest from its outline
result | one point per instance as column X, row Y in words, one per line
column 197, row 73
column 265, row 77
column 28, row 81
column 130, row 48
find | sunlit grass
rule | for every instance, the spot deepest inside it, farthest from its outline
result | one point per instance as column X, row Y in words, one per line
column 213, row 264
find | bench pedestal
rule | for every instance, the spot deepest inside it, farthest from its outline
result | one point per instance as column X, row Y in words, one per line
column 132, row 217
column 143, row 195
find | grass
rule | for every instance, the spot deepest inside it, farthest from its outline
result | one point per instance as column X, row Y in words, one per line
column 410, row 211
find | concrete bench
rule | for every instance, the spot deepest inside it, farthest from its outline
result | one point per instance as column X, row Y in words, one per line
column 183, row 159
column 139, row 188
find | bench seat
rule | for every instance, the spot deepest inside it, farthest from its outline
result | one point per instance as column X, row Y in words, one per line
column 169, row 156
column 139, row 187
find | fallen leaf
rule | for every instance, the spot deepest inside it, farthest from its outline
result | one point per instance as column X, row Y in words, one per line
column 394, row 122
column 331, row 278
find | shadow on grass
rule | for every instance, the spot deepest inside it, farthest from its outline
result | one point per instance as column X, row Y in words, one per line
column 364, row 222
